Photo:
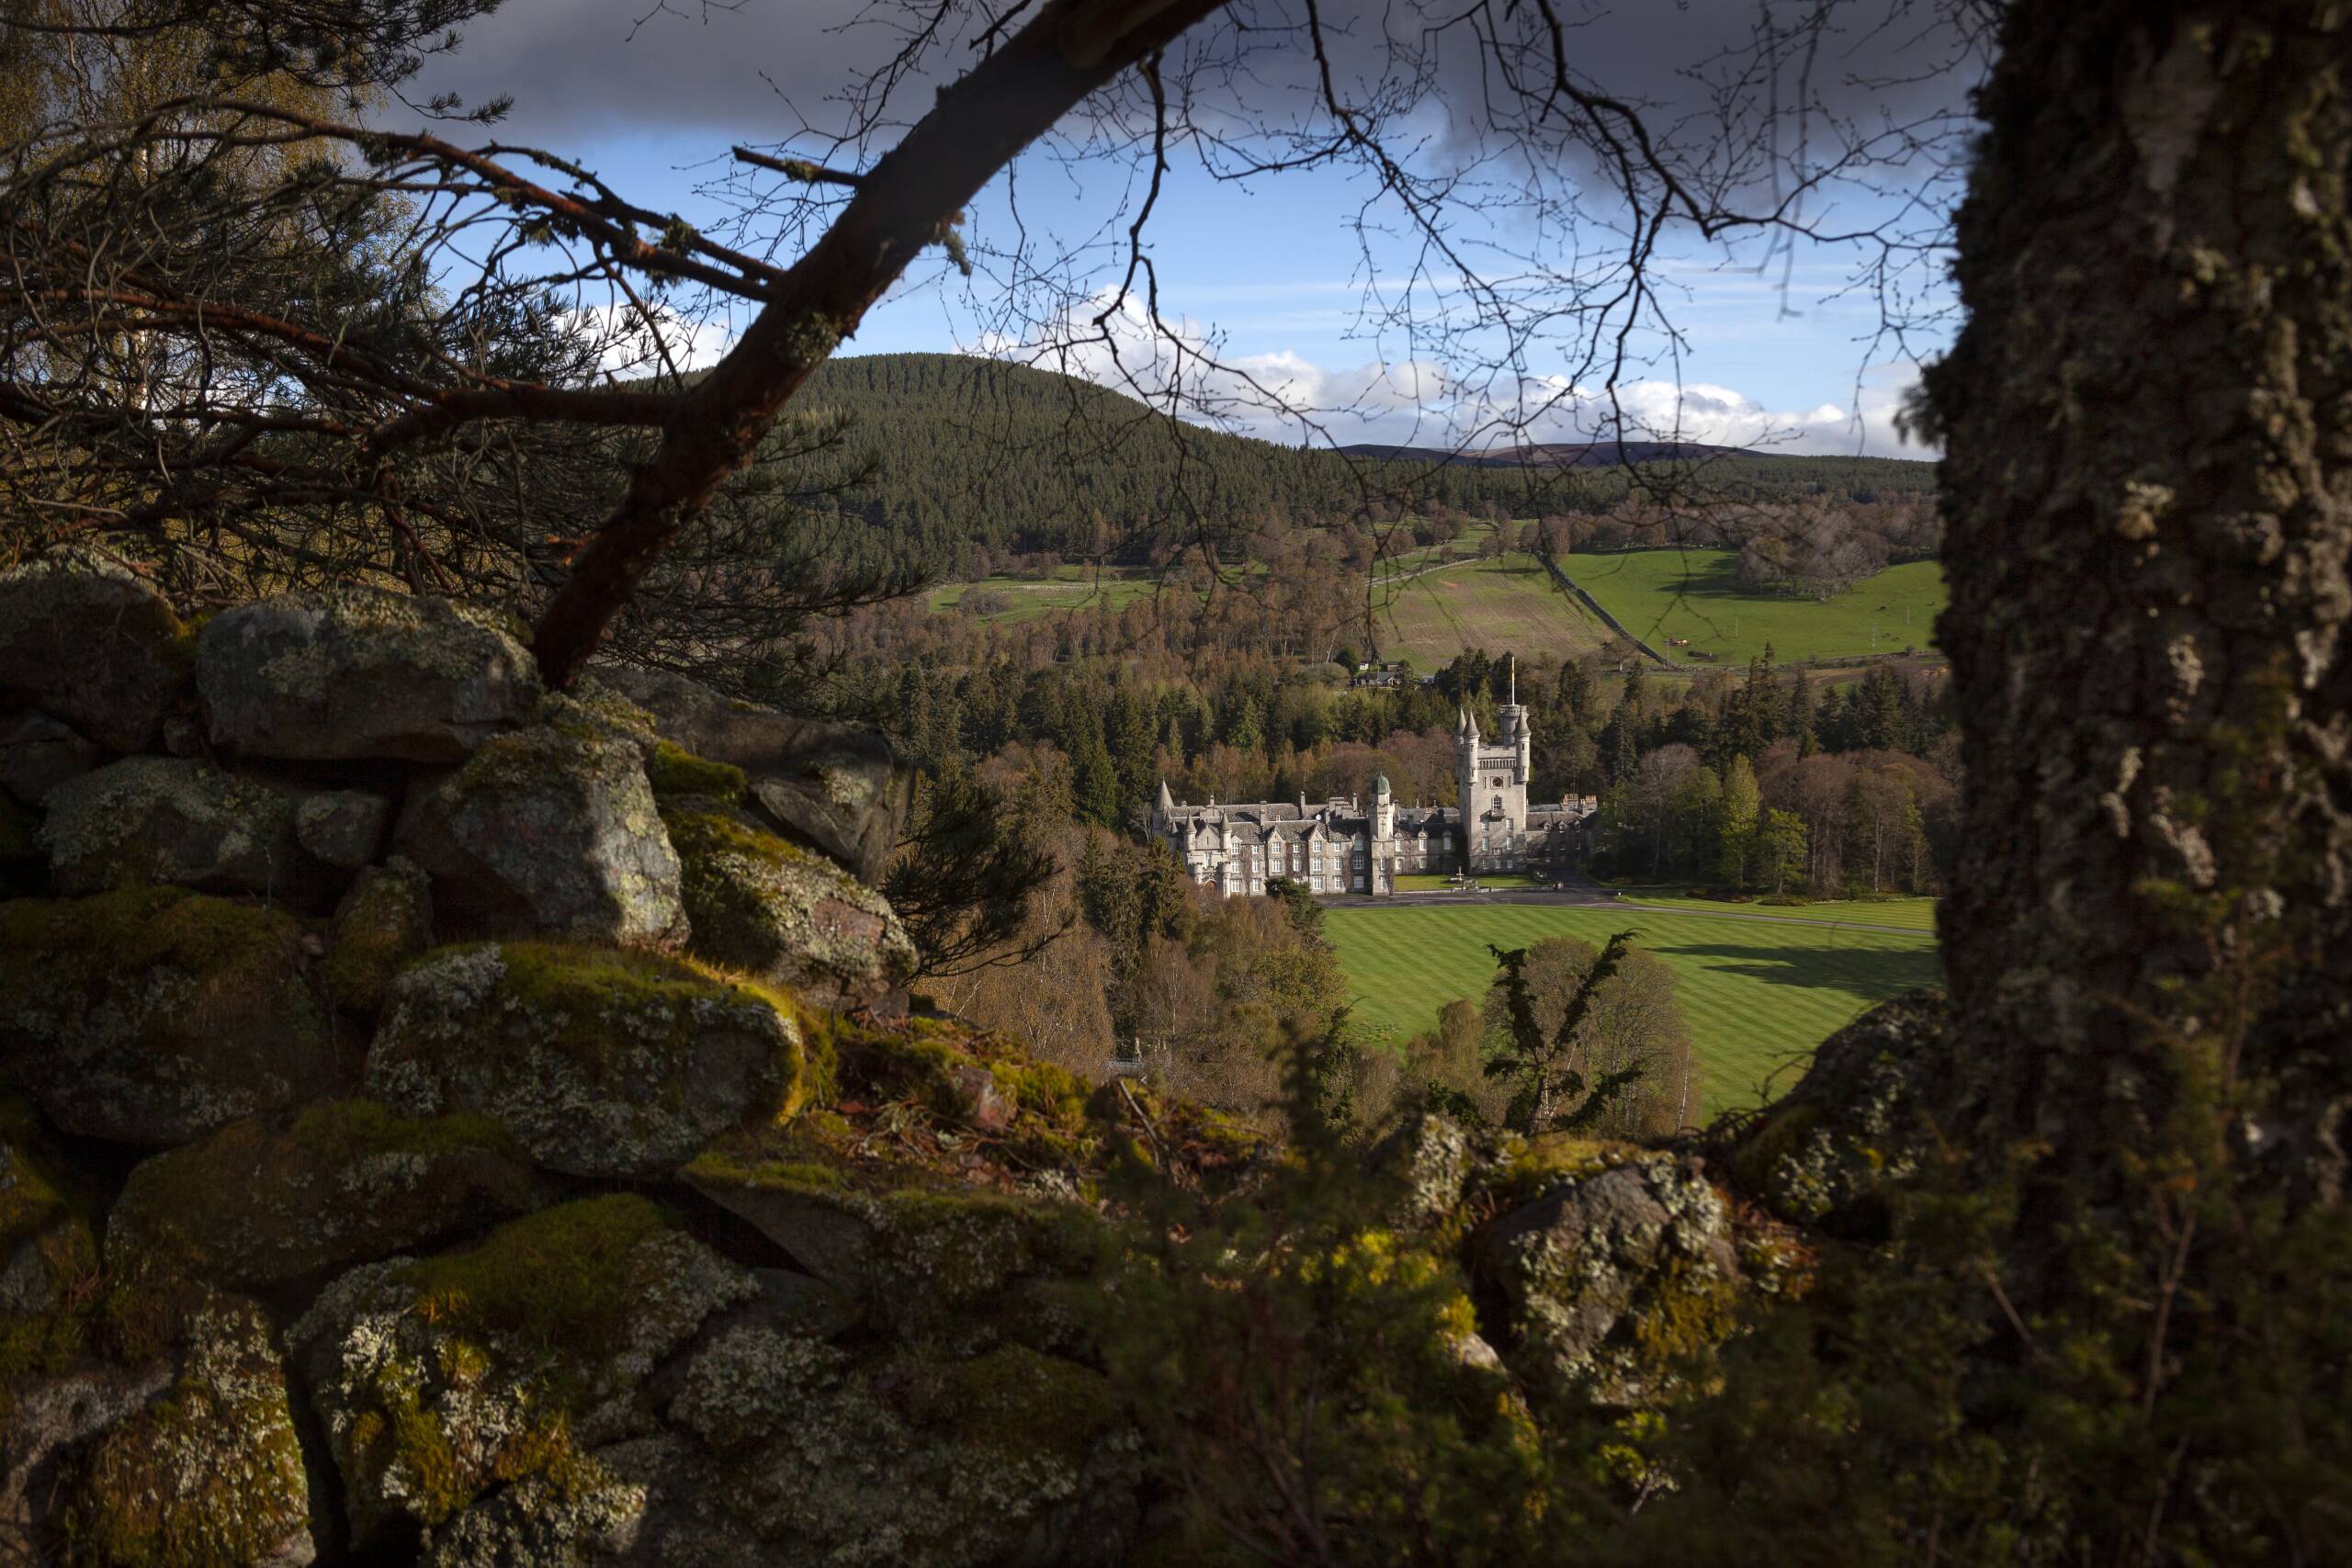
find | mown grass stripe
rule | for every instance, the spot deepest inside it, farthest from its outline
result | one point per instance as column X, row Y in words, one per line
column 1758, row 995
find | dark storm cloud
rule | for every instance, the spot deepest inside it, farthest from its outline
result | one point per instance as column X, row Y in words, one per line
column 600, row 68
column 751, row 69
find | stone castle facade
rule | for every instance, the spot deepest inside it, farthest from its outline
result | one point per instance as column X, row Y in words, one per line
column 1338, row 846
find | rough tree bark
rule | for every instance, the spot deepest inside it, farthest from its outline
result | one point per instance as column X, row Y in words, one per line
column 2148, row 494
column 906, row 202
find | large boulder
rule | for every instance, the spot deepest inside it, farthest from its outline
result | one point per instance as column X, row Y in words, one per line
column 154, row 1015
column 38, row 753
column 1622, row 1274
column 190, row 1457
column 161, row 819
column 440, row 1380
column 837, row 787
column 550, row 832
column 773, row 909
column 920, row 1256
column 827, row 1456
column 85, row 640
column 1858, row 1122
column 354, row 672
column 259, row 1202
column 600, row 1063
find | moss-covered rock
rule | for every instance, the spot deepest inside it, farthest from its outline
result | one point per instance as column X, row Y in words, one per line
column 1618, row 1279
column 1856, row 1122
column 383, row 922
column 901, row 1457
column 85, row 640
column 354, row 672
column 346, row 1182
column 599, row 1063
column 164, row 819
column 772, row 909
column 837, row 788
column 922, row 1256
column 550, row 832
column 442, row 1379
column 210, row 1474
column 154, row 1015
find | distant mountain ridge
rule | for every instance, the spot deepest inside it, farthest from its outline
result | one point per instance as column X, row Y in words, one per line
column 1564, row 454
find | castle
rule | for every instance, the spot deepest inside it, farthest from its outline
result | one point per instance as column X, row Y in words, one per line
column 1339, row 847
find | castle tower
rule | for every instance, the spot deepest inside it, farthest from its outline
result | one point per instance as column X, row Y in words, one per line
column 1493, row 783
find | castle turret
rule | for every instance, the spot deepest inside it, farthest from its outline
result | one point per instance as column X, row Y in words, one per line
column 1384, row 812
column 1167, row 808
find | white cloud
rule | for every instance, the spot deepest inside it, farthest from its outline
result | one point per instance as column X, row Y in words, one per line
column 1281, row 394
column 629, row 343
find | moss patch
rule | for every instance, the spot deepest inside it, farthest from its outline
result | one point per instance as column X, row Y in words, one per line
column 347, row 1182
column 385, row 923
column 209, row 1476
column 673, row 770
column 155, row 1014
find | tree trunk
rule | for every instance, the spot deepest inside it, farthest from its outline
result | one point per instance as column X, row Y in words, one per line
column 2148, row 500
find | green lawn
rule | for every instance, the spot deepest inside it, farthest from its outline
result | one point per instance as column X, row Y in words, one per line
column 1758, row 997
column 1663, row 595
column 1911, row 914
column 1504, row 604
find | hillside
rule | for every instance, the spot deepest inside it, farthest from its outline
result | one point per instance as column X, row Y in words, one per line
column 940, row 454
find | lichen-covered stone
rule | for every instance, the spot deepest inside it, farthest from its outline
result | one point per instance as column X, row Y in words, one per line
column 385, row 920
column 157, row 820
column 343, row 827
column 346, row 1182
column 209, row 1474
column 440, row 1380
column 85, row 640
column 38, row 753
column 354, row 672
column 836, row 787
column 921, row 1258
column 656, row 1504
column 550, row 832
column 1855, row 1123
column 1618, row 1278
column 154, row 1015
column 904, row 1458
column 775, row 910
column 599, row 1063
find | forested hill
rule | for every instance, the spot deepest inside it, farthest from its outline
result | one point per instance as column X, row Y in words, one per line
column 969, row 452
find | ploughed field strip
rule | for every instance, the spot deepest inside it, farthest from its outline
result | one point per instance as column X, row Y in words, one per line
column 1758, row 997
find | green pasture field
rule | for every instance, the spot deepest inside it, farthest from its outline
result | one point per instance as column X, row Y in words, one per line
column 1505, row 604
column 1758, row 995
column 1075, row 588
column 1693, row 594
column 1911, row 914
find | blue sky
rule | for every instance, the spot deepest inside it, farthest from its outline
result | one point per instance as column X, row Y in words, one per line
column 1269, row 271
